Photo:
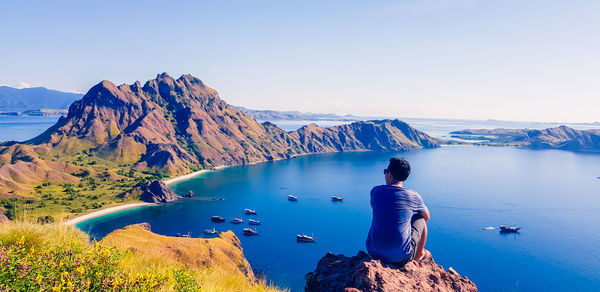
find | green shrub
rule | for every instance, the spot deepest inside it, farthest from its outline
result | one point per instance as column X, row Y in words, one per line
column 185, row 280
column 72, row 268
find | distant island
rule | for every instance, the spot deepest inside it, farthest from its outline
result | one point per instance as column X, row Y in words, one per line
column 562, row 137
column 272, row 115
column 35, row 101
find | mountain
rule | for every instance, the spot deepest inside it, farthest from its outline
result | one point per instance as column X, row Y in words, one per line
column 34, row 98
column 176, row 125
column 562, row 137
column 272, row 115
column 115, row 138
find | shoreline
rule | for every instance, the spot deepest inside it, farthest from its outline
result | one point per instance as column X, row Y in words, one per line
column 106, row 211
column 186, row 176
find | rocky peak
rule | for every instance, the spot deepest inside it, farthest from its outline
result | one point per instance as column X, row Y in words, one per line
column 361, row 273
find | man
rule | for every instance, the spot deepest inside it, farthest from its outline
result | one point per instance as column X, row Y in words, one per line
column 398, row 231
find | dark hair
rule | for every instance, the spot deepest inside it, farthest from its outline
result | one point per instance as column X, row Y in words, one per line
column 399, row 168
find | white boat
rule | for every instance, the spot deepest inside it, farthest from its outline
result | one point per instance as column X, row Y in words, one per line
column 236, row 221
column 489, row 228
column 210, row 231
column 249, row 212
column 253, row 222
column 336, row 198
column 292, row 198
column 305, row 238
column 184, row 235
column 250, row 231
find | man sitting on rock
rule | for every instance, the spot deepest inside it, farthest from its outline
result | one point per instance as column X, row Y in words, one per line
column 398, row 230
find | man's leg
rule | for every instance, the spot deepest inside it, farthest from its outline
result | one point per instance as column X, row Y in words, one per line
column 418, row 236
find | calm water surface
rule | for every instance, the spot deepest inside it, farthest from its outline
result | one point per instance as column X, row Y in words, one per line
column 553, row 195
column 21, row 128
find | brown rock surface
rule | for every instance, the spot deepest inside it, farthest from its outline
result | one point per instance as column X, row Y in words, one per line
column 361, row 273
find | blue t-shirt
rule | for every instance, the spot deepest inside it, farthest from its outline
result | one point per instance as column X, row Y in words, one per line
column 390, row 233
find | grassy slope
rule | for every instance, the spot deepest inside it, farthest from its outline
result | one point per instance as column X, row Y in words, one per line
column 213, row 264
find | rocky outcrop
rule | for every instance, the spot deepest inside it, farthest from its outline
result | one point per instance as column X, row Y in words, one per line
column 152, row 192
column 562, row 138
column 361, row 273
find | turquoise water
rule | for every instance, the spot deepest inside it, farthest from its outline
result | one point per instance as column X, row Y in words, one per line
column 553, row 195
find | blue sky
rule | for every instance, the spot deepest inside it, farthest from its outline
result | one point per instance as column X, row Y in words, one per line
column 510, row 60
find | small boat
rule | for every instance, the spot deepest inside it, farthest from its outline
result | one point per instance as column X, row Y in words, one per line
column 489, row 228
column 253, row 222
column 305, row 238
column 509, row 229
column 336, row 199
column 217, row 219
column 249, row 212
column 210, row 231
column 292, row 198
column 250, row 231
column 236, row 221
column 183, row 235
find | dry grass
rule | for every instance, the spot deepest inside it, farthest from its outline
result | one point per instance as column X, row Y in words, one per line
column 216, row 264
column 48, row 236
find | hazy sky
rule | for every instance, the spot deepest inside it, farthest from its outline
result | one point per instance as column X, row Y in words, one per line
column 487, row 59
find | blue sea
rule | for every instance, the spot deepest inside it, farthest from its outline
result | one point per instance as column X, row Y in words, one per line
column 553, row 195
column 21, row 128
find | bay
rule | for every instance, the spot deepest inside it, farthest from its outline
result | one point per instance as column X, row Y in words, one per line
column 553, row 195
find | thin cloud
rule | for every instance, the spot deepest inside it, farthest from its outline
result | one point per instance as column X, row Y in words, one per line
column 22, row 85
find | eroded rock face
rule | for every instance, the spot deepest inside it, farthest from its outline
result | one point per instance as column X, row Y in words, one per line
column 154, row 192
column 361, row 273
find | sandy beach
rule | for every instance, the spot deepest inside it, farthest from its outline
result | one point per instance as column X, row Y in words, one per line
column 105, row 212
column 184, row 177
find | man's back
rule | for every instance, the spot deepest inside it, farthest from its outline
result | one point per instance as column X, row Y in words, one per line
column 393, row 206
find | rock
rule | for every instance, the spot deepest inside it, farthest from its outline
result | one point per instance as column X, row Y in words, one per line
column 189, row 194
column 154, row 192
column 361, row 273
column 3, row 217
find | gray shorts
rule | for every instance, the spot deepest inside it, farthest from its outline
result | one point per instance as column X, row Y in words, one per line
column 417, row 223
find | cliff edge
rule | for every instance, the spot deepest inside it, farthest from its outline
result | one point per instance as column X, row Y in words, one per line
column 361, row 273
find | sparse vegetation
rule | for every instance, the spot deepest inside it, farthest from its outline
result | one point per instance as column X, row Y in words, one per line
column 57, row 257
